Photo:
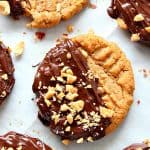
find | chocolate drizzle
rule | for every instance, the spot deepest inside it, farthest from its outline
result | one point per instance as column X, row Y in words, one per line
column 6, row 68
column 15, row 140
column 51, row 67
column 127, row 10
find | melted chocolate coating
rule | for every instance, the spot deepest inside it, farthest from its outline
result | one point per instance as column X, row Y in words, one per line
column 136, row 146
column 16, row 8
column 127, row 10
column 16, row 140
column 51, row 67
column 6, row 67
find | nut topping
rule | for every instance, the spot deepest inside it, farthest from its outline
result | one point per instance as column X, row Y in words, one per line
column 138, row 18
column 77, row 106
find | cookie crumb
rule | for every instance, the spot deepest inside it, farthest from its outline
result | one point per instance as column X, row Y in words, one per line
column 18, row 50
column 4, row 8
column 40, row 35
column 92, row 6
column 146, row 72
column 70, row 28
column 66, row 142
column 138, row 102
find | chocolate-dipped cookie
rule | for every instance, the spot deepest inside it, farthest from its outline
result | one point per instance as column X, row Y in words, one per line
column 6, row 73
column 139, row 146
column 84, row 88
column 133, row 16
column 16, row 141
column 44, row 13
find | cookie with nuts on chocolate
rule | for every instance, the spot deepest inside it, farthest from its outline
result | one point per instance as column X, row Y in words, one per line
column 44, row 13
column 6, row 73
column 84, row 88
column 133, row 16
column 16, row 141
column 139, row 146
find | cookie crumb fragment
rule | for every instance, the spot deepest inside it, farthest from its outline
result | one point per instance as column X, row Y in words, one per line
column 92, row 6
column 40, row 35
column 4, row 8
column 138, row 102
column 70, row 28
column 19, row 49
column 146, row 72
column 66, row 142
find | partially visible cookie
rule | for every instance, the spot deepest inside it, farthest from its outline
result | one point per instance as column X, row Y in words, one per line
column 139, row 146
column 16, row 141
column 6, row 73
column 133, row 16
column 84, row 88
column 46, row 13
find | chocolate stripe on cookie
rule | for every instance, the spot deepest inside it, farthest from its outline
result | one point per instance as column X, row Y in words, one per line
column 16, row 141
column 134, row 16
column 6, row 73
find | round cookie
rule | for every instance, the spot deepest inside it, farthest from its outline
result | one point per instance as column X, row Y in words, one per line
column 46, row 13
column 133, row 16
column 139, row 146
column 84, row 88
column 6, row 73
column 16, row 141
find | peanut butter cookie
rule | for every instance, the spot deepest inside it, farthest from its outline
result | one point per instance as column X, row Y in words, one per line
column 84, row 88
column 45, row 13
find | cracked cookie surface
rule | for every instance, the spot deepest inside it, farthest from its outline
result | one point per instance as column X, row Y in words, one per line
column 48, row 13
column 84, row 88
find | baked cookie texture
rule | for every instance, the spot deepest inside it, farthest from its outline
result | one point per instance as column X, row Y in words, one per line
column 17, row 141
column 133, row 16
column 95, row 83
column 48, row 13
column 115, row 75
column 6, row 72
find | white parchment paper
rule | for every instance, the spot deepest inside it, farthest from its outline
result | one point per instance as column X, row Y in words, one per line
column 19, row 112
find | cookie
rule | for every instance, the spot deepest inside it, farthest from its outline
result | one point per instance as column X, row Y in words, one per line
column 16, row 141
column 84, row 88
column 6, row 73
column 133, row 16
column 45, row 13
column 139, row 146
